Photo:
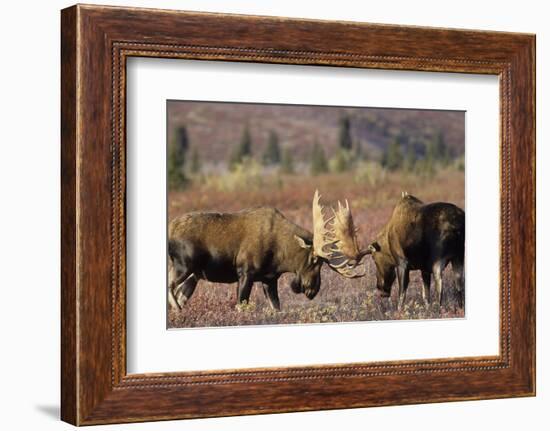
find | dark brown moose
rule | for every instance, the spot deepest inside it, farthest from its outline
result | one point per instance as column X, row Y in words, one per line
column 259, row 245
column 423, row 237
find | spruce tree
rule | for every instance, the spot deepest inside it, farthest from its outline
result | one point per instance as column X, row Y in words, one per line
column 340, row 162
column 272, row 153
column 393, row 158
column 345, row 141
column 246, row 143
column 177, row 150
column 242, row 150
column 358, row 151
column 441, row 150
column 195, row 164
column 430, row 158
column 410, row 160
column 287, row 162
column 447, row 156
column 319, row 163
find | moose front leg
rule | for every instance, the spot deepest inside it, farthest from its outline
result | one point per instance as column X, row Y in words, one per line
column 272, row 294
column 245, row 286
column 402, row 271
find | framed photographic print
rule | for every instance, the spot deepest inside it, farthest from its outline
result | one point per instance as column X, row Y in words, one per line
column 265, row 215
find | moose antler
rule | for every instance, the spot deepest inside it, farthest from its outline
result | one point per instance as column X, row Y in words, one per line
column 336, row 242
column 345, row 231
column 323, row 237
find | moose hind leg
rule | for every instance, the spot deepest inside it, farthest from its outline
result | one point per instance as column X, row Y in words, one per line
column 458, row 272
column 272, row 294
column 177, row 276
column 172, row 299
column 185, row 290
column 426, row 280
column 403, row 282
column 437, row 273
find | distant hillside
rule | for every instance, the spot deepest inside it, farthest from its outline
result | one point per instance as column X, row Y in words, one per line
column 215, row 128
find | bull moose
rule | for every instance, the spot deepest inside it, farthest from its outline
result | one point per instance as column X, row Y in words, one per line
column 423, row 237
column 259, row 245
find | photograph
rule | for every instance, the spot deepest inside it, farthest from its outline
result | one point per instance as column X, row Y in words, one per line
column 305, row 214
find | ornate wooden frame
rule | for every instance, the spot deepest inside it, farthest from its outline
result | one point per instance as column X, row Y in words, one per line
column 95, row 43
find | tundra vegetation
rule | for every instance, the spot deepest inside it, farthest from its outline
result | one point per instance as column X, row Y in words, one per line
column 235, row 157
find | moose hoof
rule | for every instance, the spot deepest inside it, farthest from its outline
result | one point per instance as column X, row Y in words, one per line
column 245, row 306
column 400, row 306
column 181, row 300
column 426, row 301
column 173, row 302
column 241, row 306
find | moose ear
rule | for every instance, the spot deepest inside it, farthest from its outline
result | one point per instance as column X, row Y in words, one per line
column 302, row 242
column 373, row 247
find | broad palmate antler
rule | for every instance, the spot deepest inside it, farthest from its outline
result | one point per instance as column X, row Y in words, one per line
column 335, row 239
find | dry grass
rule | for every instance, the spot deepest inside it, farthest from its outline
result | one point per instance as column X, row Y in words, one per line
column 340, row 299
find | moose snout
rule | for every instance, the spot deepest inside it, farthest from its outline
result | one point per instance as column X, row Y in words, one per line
column 310, row 293
column 295, row 285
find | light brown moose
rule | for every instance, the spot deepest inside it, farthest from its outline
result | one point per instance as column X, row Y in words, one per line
column 259, row 245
